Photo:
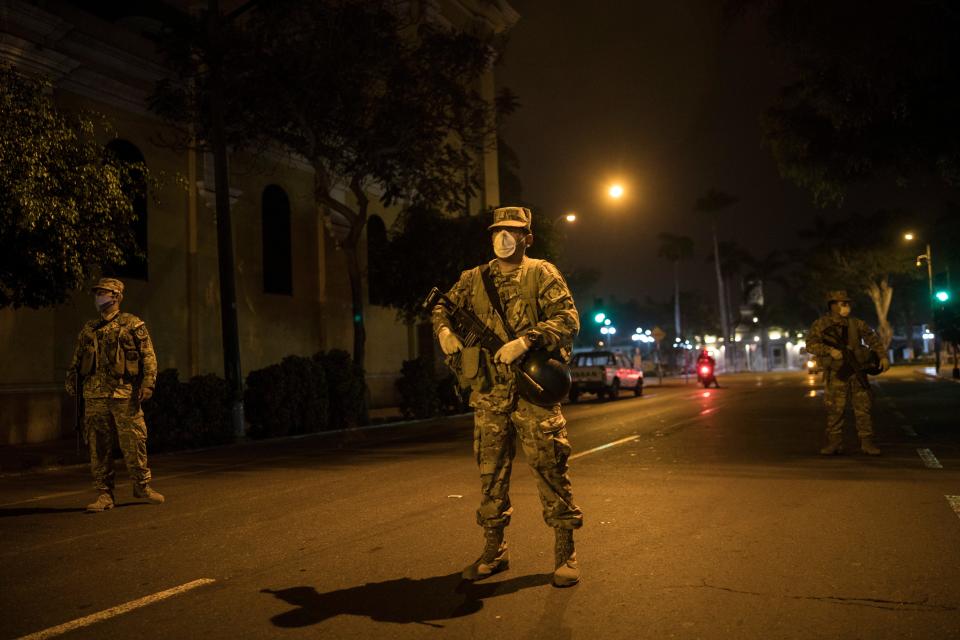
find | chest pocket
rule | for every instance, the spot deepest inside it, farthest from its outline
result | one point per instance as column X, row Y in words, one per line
column 130, row 355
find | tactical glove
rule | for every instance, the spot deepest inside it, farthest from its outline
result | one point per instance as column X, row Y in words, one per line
column 511, row 351
column 449, row 342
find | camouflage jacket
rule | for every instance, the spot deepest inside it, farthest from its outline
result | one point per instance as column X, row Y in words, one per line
column 113, row 356
column 831, row 327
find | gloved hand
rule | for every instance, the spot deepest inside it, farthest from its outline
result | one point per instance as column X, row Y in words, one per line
column 836, row 354
column 449, row 342
column 145, row 393
column 511, row 351
column 884, row 365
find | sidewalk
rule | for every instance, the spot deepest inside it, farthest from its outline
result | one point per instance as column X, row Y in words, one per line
column 946, row 373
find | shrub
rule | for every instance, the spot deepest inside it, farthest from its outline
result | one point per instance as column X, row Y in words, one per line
column 187, row 415
column 346, row 388
column 418, row 389
column 287, row 398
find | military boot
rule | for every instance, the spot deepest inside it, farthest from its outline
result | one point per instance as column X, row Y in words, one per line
column 834, row 445
column 494, row 558
column 566, row 572
column 104, row 502
column 867, row 446
column 144, row 491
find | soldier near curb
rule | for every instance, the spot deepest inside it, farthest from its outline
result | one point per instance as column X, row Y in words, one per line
column 840, row 384
column 115, row 361
column 539, row 308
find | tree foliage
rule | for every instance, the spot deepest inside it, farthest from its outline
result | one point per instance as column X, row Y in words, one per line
column 877, row 93
column 66, row 207
column 370, row 100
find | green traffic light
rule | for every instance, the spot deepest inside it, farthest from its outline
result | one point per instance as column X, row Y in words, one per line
column 600, row 317
column 942, row 296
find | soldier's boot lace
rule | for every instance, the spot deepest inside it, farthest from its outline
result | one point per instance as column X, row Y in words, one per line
column 103, row 502
column 834, row 445
column 495, row 557
column 867, row 446
column 567, row 571
column 144, row 491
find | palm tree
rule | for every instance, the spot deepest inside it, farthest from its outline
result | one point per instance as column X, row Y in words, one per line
column 675, row 248
column 712, row 203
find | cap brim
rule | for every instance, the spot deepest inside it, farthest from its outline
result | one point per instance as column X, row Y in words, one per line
column 509, row 223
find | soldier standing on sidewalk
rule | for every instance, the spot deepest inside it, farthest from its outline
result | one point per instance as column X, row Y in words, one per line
column 114, row 358
column 539, row 308
column 841, row 384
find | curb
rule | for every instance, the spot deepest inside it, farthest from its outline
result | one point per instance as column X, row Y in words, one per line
column 46, row 467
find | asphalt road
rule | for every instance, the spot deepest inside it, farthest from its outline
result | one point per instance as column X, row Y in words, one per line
column 711, row 516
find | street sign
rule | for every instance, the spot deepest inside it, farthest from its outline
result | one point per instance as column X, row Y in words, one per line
column 658, row 334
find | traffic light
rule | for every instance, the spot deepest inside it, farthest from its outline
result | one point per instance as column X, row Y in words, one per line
column 942, row 295
column 600, row 317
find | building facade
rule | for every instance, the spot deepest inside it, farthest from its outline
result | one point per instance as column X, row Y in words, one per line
column 293, row 295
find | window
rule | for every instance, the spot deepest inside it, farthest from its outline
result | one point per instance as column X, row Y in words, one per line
column 136, row 257
column 277, row 261
column 376, row 263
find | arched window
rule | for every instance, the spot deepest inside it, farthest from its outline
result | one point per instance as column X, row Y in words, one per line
column 277, row 260
column 136, row 258
column 376, row 247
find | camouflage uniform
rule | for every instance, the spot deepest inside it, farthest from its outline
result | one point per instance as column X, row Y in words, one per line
column 500, row 413
column 838, row 389
column 116, row 359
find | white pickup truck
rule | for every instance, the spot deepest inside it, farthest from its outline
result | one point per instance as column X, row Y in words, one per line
column 603, row 373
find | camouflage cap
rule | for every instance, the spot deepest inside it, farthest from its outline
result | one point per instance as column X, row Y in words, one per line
column 108, row 284
column 512, row 217
column 838, row 296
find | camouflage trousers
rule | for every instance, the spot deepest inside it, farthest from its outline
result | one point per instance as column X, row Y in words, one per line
column 837, row 395
column 543, row 436
column 104, row 417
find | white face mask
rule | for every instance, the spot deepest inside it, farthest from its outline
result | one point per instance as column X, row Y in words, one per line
column 843, row 310
column 504, row 244
column 103, row 302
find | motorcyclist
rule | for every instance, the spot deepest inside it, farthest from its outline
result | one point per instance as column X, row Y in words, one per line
column 705, row 359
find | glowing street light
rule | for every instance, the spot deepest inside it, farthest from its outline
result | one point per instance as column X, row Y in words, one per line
column 615, row 191
column 908, row 236
column 570, row 217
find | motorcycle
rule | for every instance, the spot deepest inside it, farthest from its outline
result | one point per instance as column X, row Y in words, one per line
column 705, row 375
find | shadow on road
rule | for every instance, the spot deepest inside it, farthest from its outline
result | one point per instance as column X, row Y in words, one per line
column 402, row 601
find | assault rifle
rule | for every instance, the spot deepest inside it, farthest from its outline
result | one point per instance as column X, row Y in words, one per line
column 851, row 364
column 473, row 332
column 78, row 400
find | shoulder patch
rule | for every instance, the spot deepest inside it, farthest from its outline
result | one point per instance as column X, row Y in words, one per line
column 141, row 331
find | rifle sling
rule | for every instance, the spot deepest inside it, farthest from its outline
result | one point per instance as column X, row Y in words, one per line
column 494, row 297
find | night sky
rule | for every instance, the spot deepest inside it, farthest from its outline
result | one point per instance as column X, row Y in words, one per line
column 666, row 96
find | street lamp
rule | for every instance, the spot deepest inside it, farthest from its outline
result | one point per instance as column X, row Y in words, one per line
column 928, row 256
column 570, row 217
column 615, row 191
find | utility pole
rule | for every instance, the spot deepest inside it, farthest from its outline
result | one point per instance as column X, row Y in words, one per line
column 228, row 289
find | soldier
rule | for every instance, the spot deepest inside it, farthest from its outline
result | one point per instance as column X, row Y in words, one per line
column 539, row 308
column 839, row 327
column 115, row 360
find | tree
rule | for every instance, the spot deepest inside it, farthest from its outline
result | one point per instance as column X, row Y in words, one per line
column 712, row 203
column 368, row 100
column 862, row 256
column 877, row 94
column 675, row 249
column 66, row 206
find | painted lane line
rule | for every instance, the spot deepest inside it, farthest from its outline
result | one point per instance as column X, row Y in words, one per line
column 954, row 504
column 929, row 459
column 604, row 446
column 908, row 429
column 113, row 612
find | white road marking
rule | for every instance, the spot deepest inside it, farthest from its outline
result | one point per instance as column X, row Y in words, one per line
column 604, row 446
column 954, row 503
column 929, row 459
column 113, row 612
column 908, row 429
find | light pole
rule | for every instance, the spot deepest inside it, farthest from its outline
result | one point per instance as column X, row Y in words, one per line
column 928, row 257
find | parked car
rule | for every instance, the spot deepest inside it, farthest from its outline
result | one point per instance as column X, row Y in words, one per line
column 603, row 373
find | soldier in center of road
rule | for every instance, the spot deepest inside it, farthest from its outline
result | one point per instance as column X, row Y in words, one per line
column 835, row 330
column 539, row 308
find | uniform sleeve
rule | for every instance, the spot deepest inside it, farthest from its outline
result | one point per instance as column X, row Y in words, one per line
column 459, row 294
column 147, row 355
column 561, row 322
column 815, row 343
column 868, row 335
column 71, row 382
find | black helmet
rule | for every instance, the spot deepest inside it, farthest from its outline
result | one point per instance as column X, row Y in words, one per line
column 549, row 372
